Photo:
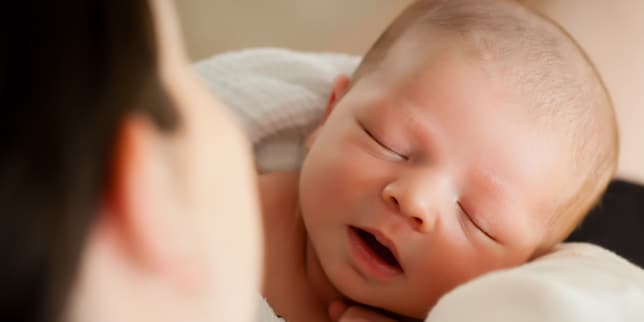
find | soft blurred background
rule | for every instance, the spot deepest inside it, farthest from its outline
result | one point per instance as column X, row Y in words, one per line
column 213, row 26
column 611, row 31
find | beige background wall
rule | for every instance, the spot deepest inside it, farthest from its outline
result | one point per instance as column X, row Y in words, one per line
column 213, row 26
column 611, row 31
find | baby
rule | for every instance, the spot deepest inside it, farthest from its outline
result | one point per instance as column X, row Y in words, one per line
column 474, row 136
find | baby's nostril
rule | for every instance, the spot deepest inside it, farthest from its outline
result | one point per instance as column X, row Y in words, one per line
column 419, row 222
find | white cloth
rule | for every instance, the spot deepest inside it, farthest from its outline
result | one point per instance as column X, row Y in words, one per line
column 576, row 283
column 279, row 96
column 265, row 313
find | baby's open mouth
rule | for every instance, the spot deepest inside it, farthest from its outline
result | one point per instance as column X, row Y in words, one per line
column 381, row 251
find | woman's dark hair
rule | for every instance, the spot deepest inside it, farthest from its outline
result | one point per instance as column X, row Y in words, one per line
column 70, row 71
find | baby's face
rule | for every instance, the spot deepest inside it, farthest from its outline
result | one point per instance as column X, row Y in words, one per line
column 426, row 175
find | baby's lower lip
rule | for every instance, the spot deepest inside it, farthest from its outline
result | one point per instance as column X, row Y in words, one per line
column 370, row 263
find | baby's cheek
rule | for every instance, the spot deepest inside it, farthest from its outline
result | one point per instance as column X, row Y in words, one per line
column 331, row 180
column 337, row 176
column 354, row 171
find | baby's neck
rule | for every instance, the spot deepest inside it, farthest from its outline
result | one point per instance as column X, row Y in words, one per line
column 294, row 279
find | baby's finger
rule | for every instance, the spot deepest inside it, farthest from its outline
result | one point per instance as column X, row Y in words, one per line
column 360, row 314
column 336, row 310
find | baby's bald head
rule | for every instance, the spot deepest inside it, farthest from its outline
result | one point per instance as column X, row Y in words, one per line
column 544, row 66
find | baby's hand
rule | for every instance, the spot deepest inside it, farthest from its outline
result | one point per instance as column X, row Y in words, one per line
column 341, row 312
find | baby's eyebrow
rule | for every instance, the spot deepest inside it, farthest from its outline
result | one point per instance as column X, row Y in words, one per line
column 421, row 125
column 492, row 182
column 493, row 196
column 493, row 187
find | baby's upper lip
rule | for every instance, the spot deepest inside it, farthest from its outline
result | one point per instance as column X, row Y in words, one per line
column 386, row 241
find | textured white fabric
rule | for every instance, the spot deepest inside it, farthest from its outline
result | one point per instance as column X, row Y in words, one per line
column 265, row 312
column 576, row 283
column 279, row 96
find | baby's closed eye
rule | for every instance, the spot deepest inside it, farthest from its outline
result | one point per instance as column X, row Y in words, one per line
column 474, row 221
column 387, row 150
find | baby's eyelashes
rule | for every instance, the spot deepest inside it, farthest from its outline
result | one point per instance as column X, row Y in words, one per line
column 388, row 150
column 473, row 221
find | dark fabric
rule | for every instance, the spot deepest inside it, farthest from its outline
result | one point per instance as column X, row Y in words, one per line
column 617, row 223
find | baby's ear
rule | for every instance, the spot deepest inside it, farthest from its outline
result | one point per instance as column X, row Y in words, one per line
column 341, row 86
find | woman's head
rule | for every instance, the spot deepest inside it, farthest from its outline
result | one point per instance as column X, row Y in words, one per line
column 122, row 184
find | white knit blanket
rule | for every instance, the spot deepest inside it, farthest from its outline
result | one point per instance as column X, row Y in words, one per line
column 279, row 95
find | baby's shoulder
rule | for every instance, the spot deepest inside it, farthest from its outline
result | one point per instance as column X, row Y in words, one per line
column 286, row 286
column 281, row 220
column 278, row 192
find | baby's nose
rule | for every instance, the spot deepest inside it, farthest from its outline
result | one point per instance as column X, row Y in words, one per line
column 420, row 209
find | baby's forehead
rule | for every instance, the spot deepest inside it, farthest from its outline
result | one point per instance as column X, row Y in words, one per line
column 449, row 66
column 412, row 56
